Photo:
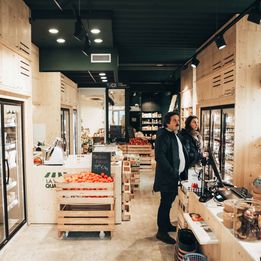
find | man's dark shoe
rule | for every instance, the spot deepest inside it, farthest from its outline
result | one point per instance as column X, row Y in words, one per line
column 164, row 237
column 172, row 228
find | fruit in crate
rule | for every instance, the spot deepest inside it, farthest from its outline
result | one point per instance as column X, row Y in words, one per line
column 88, row 177
column 38, row 161
column 138, row 141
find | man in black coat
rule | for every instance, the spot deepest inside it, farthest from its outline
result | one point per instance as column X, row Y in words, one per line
column 170, row 163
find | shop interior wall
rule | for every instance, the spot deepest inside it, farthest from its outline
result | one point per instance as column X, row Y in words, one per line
column 240, row 62
column 247, row 105
column 149, row 102
column 92, row 113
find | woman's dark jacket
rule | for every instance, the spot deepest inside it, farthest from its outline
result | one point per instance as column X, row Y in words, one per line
column 193, row 152
column 167, row 162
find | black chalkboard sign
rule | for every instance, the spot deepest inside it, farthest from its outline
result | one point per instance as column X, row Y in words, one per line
column 101, row 163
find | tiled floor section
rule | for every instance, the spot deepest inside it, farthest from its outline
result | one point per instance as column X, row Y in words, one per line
column 133, row 240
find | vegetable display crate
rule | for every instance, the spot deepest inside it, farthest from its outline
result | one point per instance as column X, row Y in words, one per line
column 85, row 207
column 145, row 153
column 139, row 149
column 126, row 190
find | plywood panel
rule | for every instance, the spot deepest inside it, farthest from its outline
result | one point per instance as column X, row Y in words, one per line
column 247, row 107
column 9, row 68
column 68, row 92
column 49, row 83
column 36, row 90
column 206, row 60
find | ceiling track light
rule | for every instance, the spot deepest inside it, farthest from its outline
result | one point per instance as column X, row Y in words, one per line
column 255, row 13
column 194, row 62
column 61, row 4
column 220, row 41
column 87, row 46
column 78, row 32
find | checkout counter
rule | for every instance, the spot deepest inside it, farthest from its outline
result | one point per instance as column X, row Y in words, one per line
column 219, row 243
column 41, row 199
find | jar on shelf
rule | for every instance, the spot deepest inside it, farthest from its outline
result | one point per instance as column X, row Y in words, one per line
column 247, row 220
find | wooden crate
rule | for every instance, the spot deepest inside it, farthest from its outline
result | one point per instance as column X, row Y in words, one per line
column 126, row 216
column 85, row 207
column 139, row 149
column 126, row 190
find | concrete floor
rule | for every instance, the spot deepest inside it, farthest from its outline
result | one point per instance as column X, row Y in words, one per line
column 132, row 240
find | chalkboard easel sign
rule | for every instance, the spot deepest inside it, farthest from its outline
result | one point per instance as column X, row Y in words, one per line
column 101, row 163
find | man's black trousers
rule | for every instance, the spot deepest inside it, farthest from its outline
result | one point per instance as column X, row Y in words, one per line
column 163, row 220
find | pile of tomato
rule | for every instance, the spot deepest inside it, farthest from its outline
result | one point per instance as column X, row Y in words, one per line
column 138, row 141
column 89, row 177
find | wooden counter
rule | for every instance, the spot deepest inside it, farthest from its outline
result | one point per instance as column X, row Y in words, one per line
column 229, row 247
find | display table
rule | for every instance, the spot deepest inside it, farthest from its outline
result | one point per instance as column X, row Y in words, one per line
column 42, row 207
column 227, row 246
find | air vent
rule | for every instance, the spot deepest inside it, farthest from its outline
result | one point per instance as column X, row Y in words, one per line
column 100, row 58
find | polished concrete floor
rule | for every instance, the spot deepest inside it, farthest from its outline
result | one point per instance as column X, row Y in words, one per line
column 132, row 240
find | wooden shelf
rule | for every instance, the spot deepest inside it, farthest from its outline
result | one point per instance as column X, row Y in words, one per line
column 12, row 204
column 10, row 125
column 10, row 146
column 11, row 185
column 203, row 237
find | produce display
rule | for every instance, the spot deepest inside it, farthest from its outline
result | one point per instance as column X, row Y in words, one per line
column 138, row 141
column 88, row 177
column 248, row 220
column 38, row 161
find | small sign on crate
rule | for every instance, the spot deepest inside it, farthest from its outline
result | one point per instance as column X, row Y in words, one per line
column 101, row 162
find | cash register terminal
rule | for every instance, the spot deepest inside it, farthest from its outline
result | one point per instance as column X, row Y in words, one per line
column 224, row 191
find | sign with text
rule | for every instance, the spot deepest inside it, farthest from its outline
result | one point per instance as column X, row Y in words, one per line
column 101, row 162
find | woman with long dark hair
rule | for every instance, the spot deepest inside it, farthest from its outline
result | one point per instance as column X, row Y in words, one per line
column 192, row 141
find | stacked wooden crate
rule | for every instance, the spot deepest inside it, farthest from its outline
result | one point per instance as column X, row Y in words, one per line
column 126, row 190
column 145, row 153
column 135, row 171
column 85, row 207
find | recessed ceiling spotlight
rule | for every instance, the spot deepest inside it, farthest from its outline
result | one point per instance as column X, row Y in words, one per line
column 98, row 40
column 102, row 74
column 103, row 77
column 104, row 80
column 95, row 31
column 60, row 40
column 53, row 31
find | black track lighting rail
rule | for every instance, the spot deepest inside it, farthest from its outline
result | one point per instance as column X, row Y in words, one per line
column 221, row 32
column 61, row 4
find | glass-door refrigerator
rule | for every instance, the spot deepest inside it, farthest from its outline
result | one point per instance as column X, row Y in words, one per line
column 65, row 129
column 12, row 199
column 217, row 126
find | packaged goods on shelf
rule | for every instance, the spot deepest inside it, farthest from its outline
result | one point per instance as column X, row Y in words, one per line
column 247, row 220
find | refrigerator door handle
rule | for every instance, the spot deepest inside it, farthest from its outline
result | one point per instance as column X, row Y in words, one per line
column 8, row 171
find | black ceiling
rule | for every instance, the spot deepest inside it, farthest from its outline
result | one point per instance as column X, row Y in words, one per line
column 152, row 37
column 91, row 77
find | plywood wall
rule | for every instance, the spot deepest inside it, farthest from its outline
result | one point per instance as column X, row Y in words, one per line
column 47, row 114
column 233, row 76
column 247, row 104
